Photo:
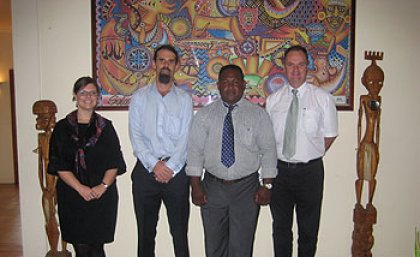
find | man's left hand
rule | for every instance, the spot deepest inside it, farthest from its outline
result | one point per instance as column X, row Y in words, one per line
column 162, row 173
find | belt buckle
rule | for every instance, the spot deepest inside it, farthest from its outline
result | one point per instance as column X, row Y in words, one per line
column 164, row 158
column 228, row 182
column 220, row 180
column 292, row 165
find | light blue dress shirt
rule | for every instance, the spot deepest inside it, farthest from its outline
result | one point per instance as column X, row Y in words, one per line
column 159, row 126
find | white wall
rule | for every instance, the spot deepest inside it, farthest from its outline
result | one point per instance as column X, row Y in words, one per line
column 52, row 48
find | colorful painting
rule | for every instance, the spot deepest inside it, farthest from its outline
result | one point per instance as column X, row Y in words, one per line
column 209, row 34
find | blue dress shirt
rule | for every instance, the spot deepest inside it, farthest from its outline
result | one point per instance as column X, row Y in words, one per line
column 159, row 126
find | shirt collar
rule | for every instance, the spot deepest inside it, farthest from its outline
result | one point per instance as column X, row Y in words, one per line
column 153, row 88
column 300, row 89
column 237, row 104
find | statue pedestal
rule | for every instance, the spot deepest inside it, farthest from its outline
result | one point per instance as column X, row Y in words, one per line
column 363, row 240
column 64, row 253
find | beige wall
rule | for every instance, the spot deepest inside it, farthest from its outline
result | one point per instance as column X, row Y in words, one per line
column 6, row 145
column 52, row 49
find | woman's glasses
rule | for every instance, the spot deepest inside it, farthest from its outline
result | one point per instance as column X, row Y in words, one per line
column 85, row 93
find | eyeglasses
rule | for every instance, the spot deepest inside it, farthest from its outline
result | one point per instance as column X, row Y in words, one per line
column 85, row 93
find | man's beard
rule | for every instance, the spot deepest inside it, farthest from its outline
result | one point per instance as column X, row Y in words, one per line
column 164, row 77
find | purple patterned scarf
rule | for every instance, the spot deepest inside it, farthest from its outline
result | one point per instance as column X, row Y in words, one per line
column 83, row 143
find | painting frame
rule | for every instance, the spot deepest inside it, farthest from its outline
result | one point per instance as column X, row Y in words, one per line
column 117, row 97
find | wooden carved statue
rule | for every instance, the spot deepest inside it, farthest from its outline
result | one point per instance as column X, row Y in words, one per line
column 45, row 122
column 367, row 156
column 370, row 107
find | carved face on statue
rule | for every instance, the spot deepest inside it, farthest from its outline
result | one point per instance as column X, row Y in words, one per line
column 45, row 111
column 373, row 79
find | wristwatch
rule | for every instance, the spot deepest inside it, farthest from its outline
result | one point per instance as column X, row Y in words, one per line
column 105, row 185
column 267, row 185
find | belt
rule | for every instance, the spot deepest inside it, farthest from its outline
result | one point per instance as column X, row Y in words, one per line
column 164, row 158
column 298, row 164
column 223, row 181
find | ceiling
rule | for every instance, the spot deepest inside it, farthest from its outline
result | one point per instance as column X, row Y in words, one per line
column 5, row 15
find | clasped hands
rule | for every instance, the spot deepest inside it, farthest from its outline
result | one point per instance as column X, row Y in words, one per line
column 162, row 173
column 93, row 193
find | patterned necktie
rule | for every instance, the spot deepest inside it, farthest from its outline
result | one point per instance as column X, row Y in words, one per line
column 228, row 140
column 289, row 143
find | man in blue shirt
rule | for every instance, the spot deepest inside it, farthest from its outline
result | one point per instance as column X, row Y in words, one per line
column 159, row 121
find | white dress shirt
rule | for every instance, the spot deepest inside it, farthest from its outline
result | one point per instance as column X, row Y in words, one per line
column 317, row 119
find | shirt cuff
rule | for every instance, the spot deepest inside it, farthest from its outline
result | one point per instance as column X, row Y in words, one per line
column 173, row 166
column 151, row 163
column 194, row 171
column 268, row 173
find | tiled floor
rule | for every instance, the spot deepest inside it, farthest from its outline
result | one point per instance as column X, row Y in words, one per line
column 10, row 225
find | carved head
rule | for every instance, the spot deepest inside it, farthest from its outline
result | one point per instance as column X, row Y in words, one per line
column 373, row 79
column 45, row 111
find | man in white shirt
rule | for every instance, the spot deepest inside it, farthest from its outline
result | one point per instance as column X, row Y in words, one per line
column 305, row 125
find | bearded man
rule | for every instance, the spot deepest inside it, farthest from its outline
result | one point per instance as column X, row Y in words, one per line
column 159, row 121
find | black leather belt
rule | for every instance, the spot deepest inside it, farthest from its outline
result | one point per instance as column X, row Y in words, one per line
column 164, row 158
column 297, row 164
column 224, row 181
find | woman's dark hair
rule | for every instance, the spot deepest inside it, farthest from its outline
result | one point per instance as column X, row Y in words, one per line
column 169, row 48
column 82, row 83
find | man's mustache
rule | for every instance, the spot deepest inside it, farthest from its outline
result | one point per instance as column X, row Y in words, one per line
column 167, row 69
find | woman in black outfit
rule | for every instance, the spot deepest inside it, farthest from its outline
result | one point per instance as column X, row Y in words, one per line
column 85, row 154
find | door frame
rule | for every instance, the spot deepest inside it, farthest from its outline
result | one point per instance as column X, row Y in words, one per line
column 14, row 132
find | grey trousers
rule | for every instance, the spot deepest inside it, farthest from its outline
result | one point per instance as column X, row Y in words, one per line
column 230, row 217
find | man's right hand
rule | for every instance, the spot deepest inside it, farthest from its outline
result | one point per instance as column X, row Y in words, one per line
column 162, row 173
column 198, row 194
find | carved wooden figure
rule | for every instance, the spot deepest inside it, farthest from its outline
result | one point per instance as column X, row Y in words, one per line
column 367, row 156
column 45, row 122
column 370, row 108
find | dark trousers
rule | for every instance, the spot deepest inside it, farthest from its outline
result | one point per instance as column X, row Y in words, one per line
column 230, row 217
column 299, row 188
column 148, row 195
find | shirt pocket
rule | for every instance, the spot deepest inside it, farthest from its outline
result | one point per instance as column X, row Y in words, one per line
column 245, row 137
column 312, row 122
column 173, row 125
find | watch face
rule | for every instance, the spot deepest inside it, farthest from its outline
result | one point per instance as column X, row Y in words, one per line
column 268, row 186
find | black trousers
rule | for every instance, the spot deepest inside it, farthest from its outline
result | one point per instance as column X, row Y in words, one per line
column 299, row 188
column 148, row 195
